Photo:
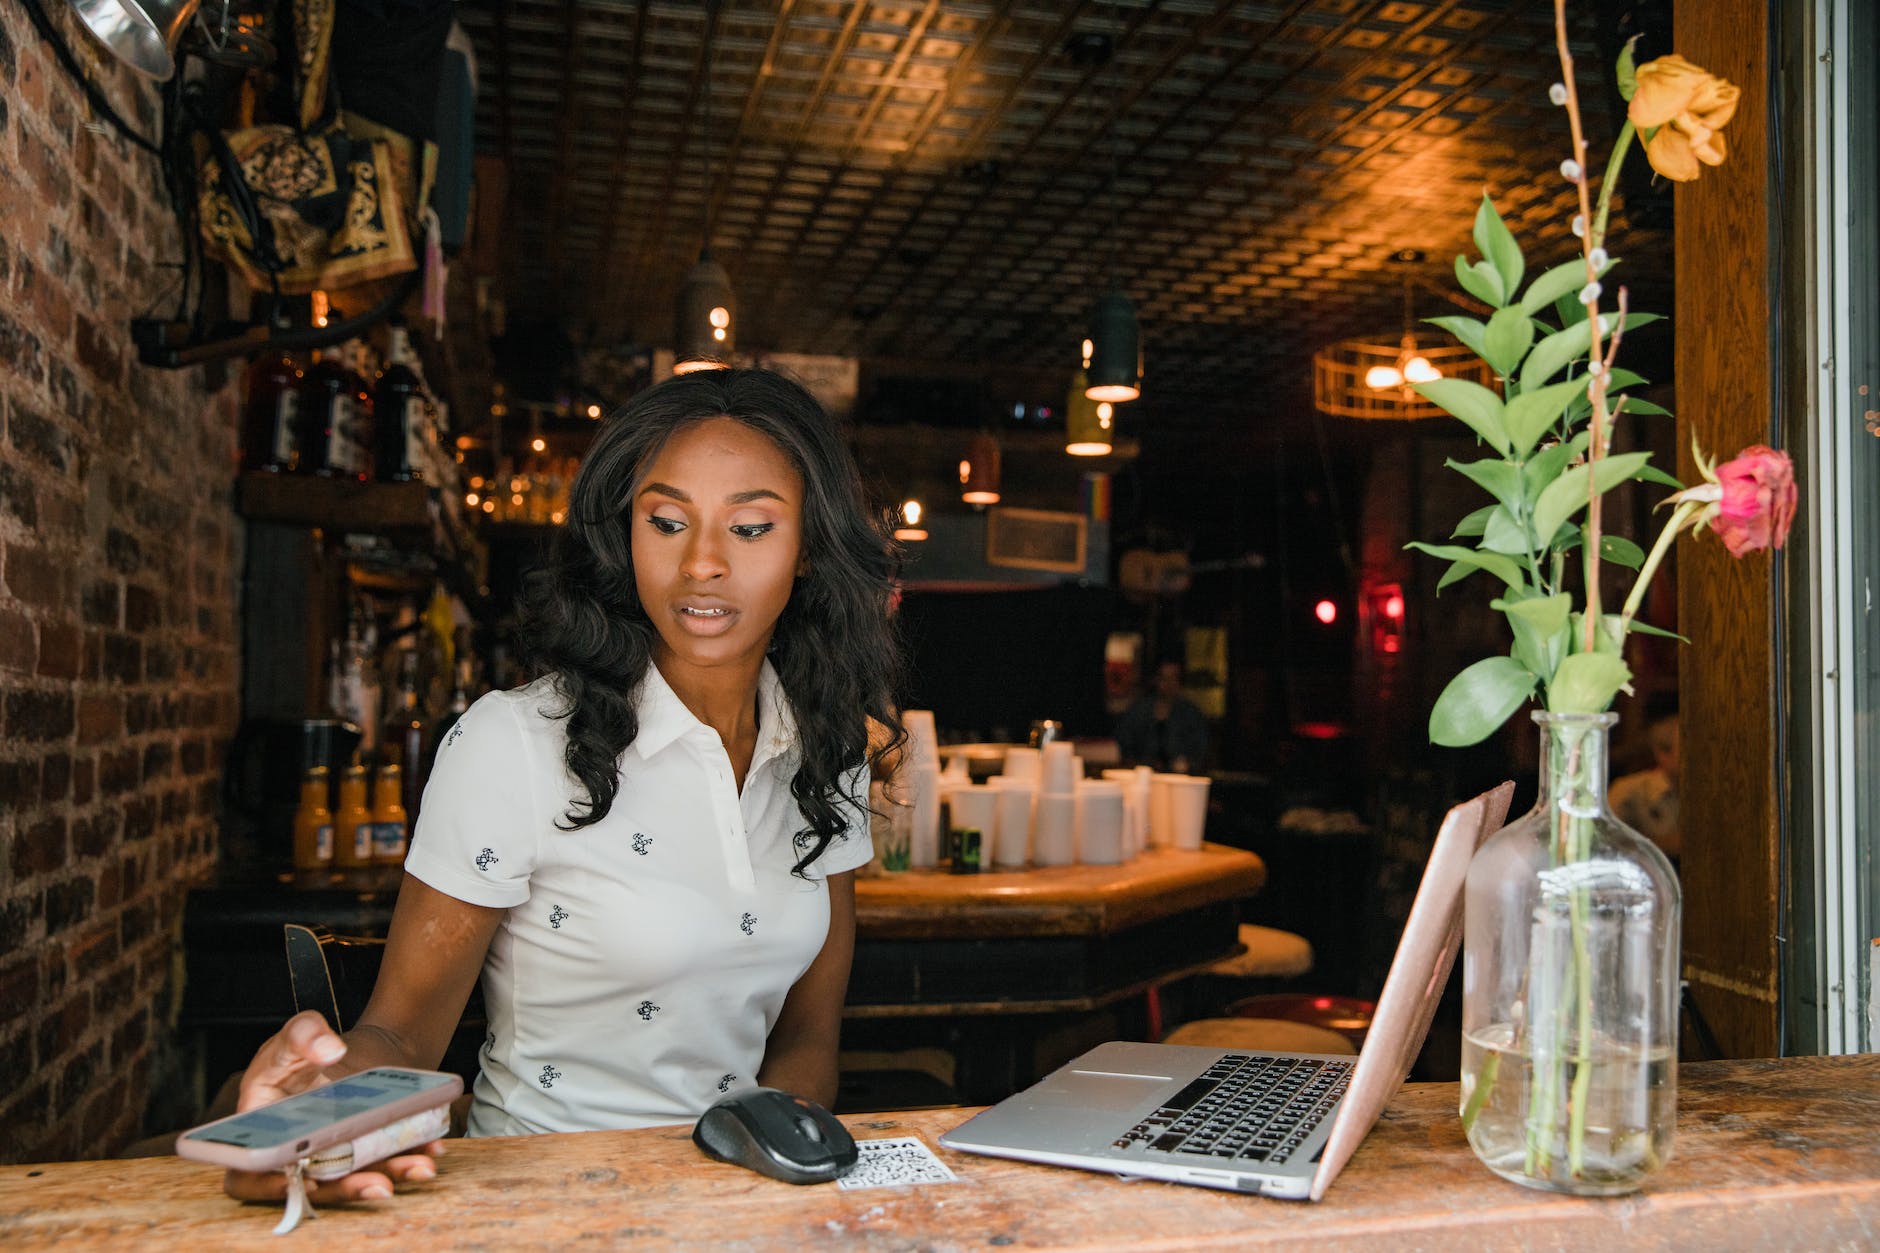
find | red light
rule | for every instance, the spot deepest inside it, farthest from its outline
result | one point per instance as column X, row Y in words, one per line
column 1325, row 611
column 1323, row 1002
column 1393, row 608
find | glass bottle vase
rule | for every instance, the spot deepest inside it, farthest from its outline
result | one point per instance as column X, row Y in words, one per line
column 1570, row 984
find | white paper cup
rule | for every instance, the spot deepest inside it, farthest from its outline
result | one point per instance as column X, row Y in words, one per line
column 1021, row 764
column 1057, row 773
column 1135, row 810
column 923, row 744
column 970, row 805
column 1100, row 838
column 1054, row 829
column 1188, row 809
column 920, row 787
column 1014, row 805
column 1161, row 819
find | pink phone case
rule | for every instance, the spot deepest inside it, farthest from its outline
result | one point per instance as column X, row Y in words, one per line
column 437, row 1089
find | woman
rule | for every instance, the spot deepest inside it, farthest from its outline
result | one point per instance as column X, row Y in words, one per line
column 647, row 853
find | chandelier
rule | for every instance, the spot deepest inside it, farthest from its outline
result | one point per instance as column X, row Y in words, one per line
column 1376, row 379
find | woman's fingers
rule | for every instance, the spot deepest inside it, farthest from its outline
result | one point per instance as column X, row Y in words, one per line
column 361, row 1185
column 291, row 1060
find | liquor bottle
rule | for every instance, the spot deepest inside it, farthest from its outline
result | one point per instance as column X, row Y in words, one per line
column 353, row 354
column 405, row 738
column 352, row 823
column 401, row 415
column 313, row 826
column 270, row 426
column 388, row 818
column 355, row 693
column 329, row 404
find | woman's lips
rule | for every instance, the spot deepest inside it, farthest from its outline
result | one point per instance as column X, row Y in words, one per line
column 705, row 620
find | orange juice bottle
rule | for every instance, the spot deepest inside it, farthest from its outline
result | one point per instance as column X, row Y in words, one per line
column 313, row 826
column 388, row 817
column 352, row 825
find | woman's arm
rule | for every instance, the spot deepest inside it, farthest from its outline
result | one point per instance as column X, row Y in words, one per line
column 801, row 1054
column 432, row 958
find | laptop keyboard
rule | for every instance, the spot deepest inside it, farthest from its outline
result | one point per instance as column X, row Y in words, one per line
column 1245, row 1108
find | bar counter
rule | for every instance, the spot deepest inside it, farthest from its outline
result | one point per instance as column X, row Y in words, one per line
column 1770, row 1155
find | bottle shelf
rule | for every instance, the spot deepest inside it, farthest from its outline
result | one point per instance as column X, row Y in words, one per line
column 334, row 504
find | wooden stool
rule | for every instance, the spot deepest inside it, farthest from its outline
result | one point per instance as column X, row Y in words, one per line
column 1347, row 1015
column 1260, row 1035
column 1271, row 954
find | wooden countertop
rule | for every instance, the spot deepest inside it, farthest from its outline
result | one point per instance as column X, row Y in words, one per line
column 1770, row 1154
column 1052, row 900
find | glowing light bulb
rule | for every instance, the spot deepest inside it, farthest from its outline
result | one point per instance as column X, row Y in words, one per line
column 910, row 512
column 1419, row 370
column 1393, row 607
column 1325, row 611
column 719, row 317
column 472, row 499
column 1089, row 351
column 966, row 471
column 1383, row 377
column 594, row 411
column 539, row 444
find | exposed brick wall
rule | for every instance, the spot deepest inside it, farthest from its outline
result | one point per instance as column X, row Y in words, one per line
column 118, row 588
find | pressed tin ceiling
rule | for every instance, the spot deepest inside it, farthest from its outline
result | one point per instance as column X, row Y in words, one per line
column 924, row 184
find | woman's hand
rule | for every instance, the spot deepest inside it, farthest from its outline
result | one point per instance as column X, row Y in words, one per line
column 305, row 1054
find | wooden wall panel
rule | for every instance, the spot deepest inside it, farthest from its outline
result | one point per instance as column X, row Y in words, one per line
column 1728, row 676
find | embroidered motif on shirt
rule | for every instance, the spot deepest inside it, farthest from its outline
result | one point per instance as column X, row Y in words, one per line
column 803, row 840
column 557, row 916
column 452, row 737
column 485, row 857
column 724, row 1084
column 548, row 1076
column 646, row 1010
column 748, row 924
column 641, row 842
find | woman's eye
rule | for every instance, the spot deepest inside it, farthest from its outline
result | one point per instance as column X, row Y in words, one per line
column 751, row 530
column 665, row 525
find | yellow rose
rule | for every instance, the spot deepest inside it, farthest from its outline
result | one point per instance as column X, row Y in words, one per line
column 1689, row 107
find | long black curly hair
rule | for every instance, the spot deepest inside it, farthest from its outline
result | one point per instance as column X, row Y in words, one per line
column 835, row 648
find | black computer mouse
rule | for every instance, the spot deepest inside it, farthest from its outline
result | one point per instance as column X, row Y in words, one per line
column 779, row 1134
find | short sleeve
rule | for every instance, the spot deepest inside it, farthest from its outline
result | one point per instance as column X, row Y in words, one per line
column 854, row 847
column 478, row 824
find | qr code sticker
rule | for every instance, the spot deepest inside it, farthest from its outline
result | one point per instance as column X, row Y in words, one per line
column 896, row 1163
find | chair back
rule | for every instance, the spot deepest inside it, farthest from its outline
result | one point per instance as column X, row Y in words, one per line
column 332, row 973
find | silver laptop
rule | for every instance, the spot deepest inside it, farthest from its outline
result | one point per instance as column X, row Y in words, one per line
column 1282, row 1124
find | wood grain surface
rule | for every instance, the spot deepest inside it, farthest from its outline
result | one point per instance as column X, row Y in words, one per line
column 1052, row 900
column 1728, row 675
column 1770, row 1155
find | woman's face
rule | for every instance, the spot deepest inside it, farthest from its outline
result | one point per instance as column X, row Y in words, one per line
column 717, row 535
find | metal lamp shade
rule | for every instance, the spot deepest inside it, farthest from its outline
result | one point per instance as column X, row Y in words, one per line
column 1115, row 372
column 979, row 473
column 140, row 33
column 706, row 333
column 1088, row 424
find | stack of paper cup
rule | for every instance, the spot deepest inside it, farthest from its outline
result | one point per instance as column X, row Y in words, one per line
column 919, row 784
column 1022, row 763
column 1014, row 807
column 1188, row 809
column 1161, row 829
column 972, row 807
column 1100, row 838
column 1057, row 770
column 1135, row 807
column 1054, row 816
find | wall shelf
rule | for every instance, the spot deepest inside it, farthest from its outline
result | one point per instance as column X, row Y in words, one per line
column 334, row 504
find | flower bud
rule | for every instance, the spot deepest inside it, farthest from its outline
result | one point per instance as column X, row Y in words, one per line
column 1590, row 293
column 1570, row 170
column 1557, row 93
column 1598, row 258
column 1579, row 226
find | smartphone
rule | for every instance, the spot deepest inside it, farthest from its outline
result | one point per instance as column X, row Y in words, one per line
column 275, row 1136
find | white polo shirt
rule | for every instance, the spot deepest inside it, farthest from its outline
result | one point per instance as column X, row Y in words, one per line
column 646, row 957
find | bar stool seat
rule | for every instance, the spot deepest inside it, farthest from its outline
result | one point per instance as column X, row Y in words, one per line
column 1260, row 1035
column 1348, row 1016
column 1271, row 954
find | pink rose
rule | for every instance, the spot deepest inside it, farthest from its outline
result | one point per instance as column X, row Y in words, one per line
column 1758, row 500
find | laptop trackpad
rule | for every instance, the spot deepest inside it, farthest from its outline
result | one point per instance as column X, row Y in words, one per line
column 1100, row 1091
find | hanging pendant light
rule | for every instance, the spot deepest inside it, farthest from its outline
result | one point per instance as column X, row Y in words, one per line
column 1089, row 425
column 706, row 333
column 1115, row 369
column 908, row 526
column 979, row 472
column 1369, row 377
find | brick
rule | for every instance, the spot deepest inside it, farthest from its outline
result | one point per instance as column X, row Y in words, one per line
column 36, row 577
column 95, row 834
column 143, row 610
column 140, row 819
column 32, row 434
column 95, row 950
column 100, row 717
column 75, row 1083
column 20, row 350
column 84, row 780
column 62, row 1029
column 16, row 1051
column 123, row 659
column 19, row 642
column 19, row 986
column 55, row 780
column 122, row 552
column 33, row 715
column 119, row 772
column 159, row 760
column 19, row 499
column 137, row 923
column 19, row 780
column 99, row 603
column 20, row 920
column 69, row 903
column 40, row 848
column 60, row 650
column 98, row 351
column 159, row 662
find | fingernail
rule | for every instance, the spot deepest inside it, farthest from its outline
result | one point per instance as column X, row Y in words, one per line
column 376, row 1192
column 421, row 1172
column 328, row 1051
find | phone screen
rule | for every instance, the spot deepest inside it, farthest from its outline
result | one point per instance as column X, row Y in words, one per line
column 299, row 1115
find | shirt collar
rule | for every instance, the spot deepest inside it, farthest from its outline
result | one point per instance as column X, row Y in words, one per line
column 664, row 717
